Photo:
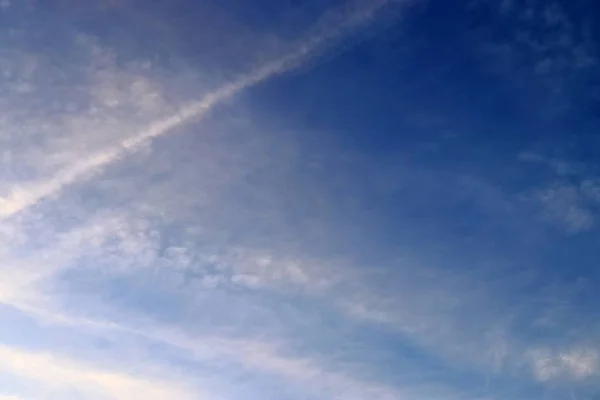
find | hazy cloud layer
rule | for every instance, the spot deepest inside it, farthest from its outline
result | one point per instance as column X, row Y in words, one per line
column 160, row 240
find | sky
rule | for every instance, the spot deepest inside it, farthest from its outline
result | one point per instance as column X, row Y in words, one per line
column 299, row 200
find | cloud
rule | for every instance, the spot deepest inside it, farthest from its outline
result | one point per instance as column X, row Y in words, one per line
column 58, row 374
column 305, row 373
column 206, row 278
column 47, row 242
column 565, row 205
column 120, row 243
column 549, row 364
column 23, row 273
column 570, row 196
column 429, row 307
column 24, row 197
column 300, row 371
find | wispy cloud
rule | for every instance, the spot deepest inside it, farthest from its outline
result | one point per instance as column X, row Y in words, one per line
column 166, row 266
column 22, row 274
column 570, row 197
column 577, row 363
column 23, row 197
column 44, row 245
column 565, row 205
column 305, row 373
column 62, row 376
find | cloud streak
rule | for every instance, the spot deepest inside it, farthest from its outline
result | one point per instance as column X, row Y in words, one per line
column 309, row 374
column 25, row 197
column 59, row 374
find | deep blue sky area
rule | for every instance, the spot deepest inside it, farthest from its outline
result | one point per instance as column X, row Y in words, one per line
column 286, row 199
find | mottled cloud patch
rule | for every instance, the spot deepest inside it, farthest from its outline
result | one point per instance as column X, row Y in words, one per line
column 576, row 364
column 567, row 206
column 571, row 199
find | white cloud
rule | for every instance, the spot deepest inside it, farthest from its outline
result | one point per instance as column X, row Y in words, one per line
column 57, row 374
column 442, row 315
column 43, row 242
column 23, row 274
column 579, row 363
column 429, row 307
column 300, row 371
column 21, row 198
column 310, row 375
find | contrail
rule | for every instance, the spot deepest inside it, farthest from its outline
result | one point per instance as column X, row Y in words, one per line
column 23, row 198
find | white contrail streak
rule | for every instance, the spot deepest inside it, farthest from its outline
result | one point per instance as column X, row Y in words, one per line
column 22, row 198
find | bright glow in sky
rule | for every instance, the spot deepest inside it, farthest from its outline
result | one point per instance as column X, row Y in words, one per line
column 352, row 199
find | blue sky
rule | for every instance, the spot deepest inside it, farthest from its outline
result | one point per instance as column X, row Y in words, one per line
column 351, row 199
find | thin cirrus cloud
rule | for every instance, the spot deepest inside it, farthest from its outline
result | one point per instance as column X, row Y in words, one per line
column 126, row 246
column 28, row 286
column 22, row 198
column 270, row 319
column 61, row 375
